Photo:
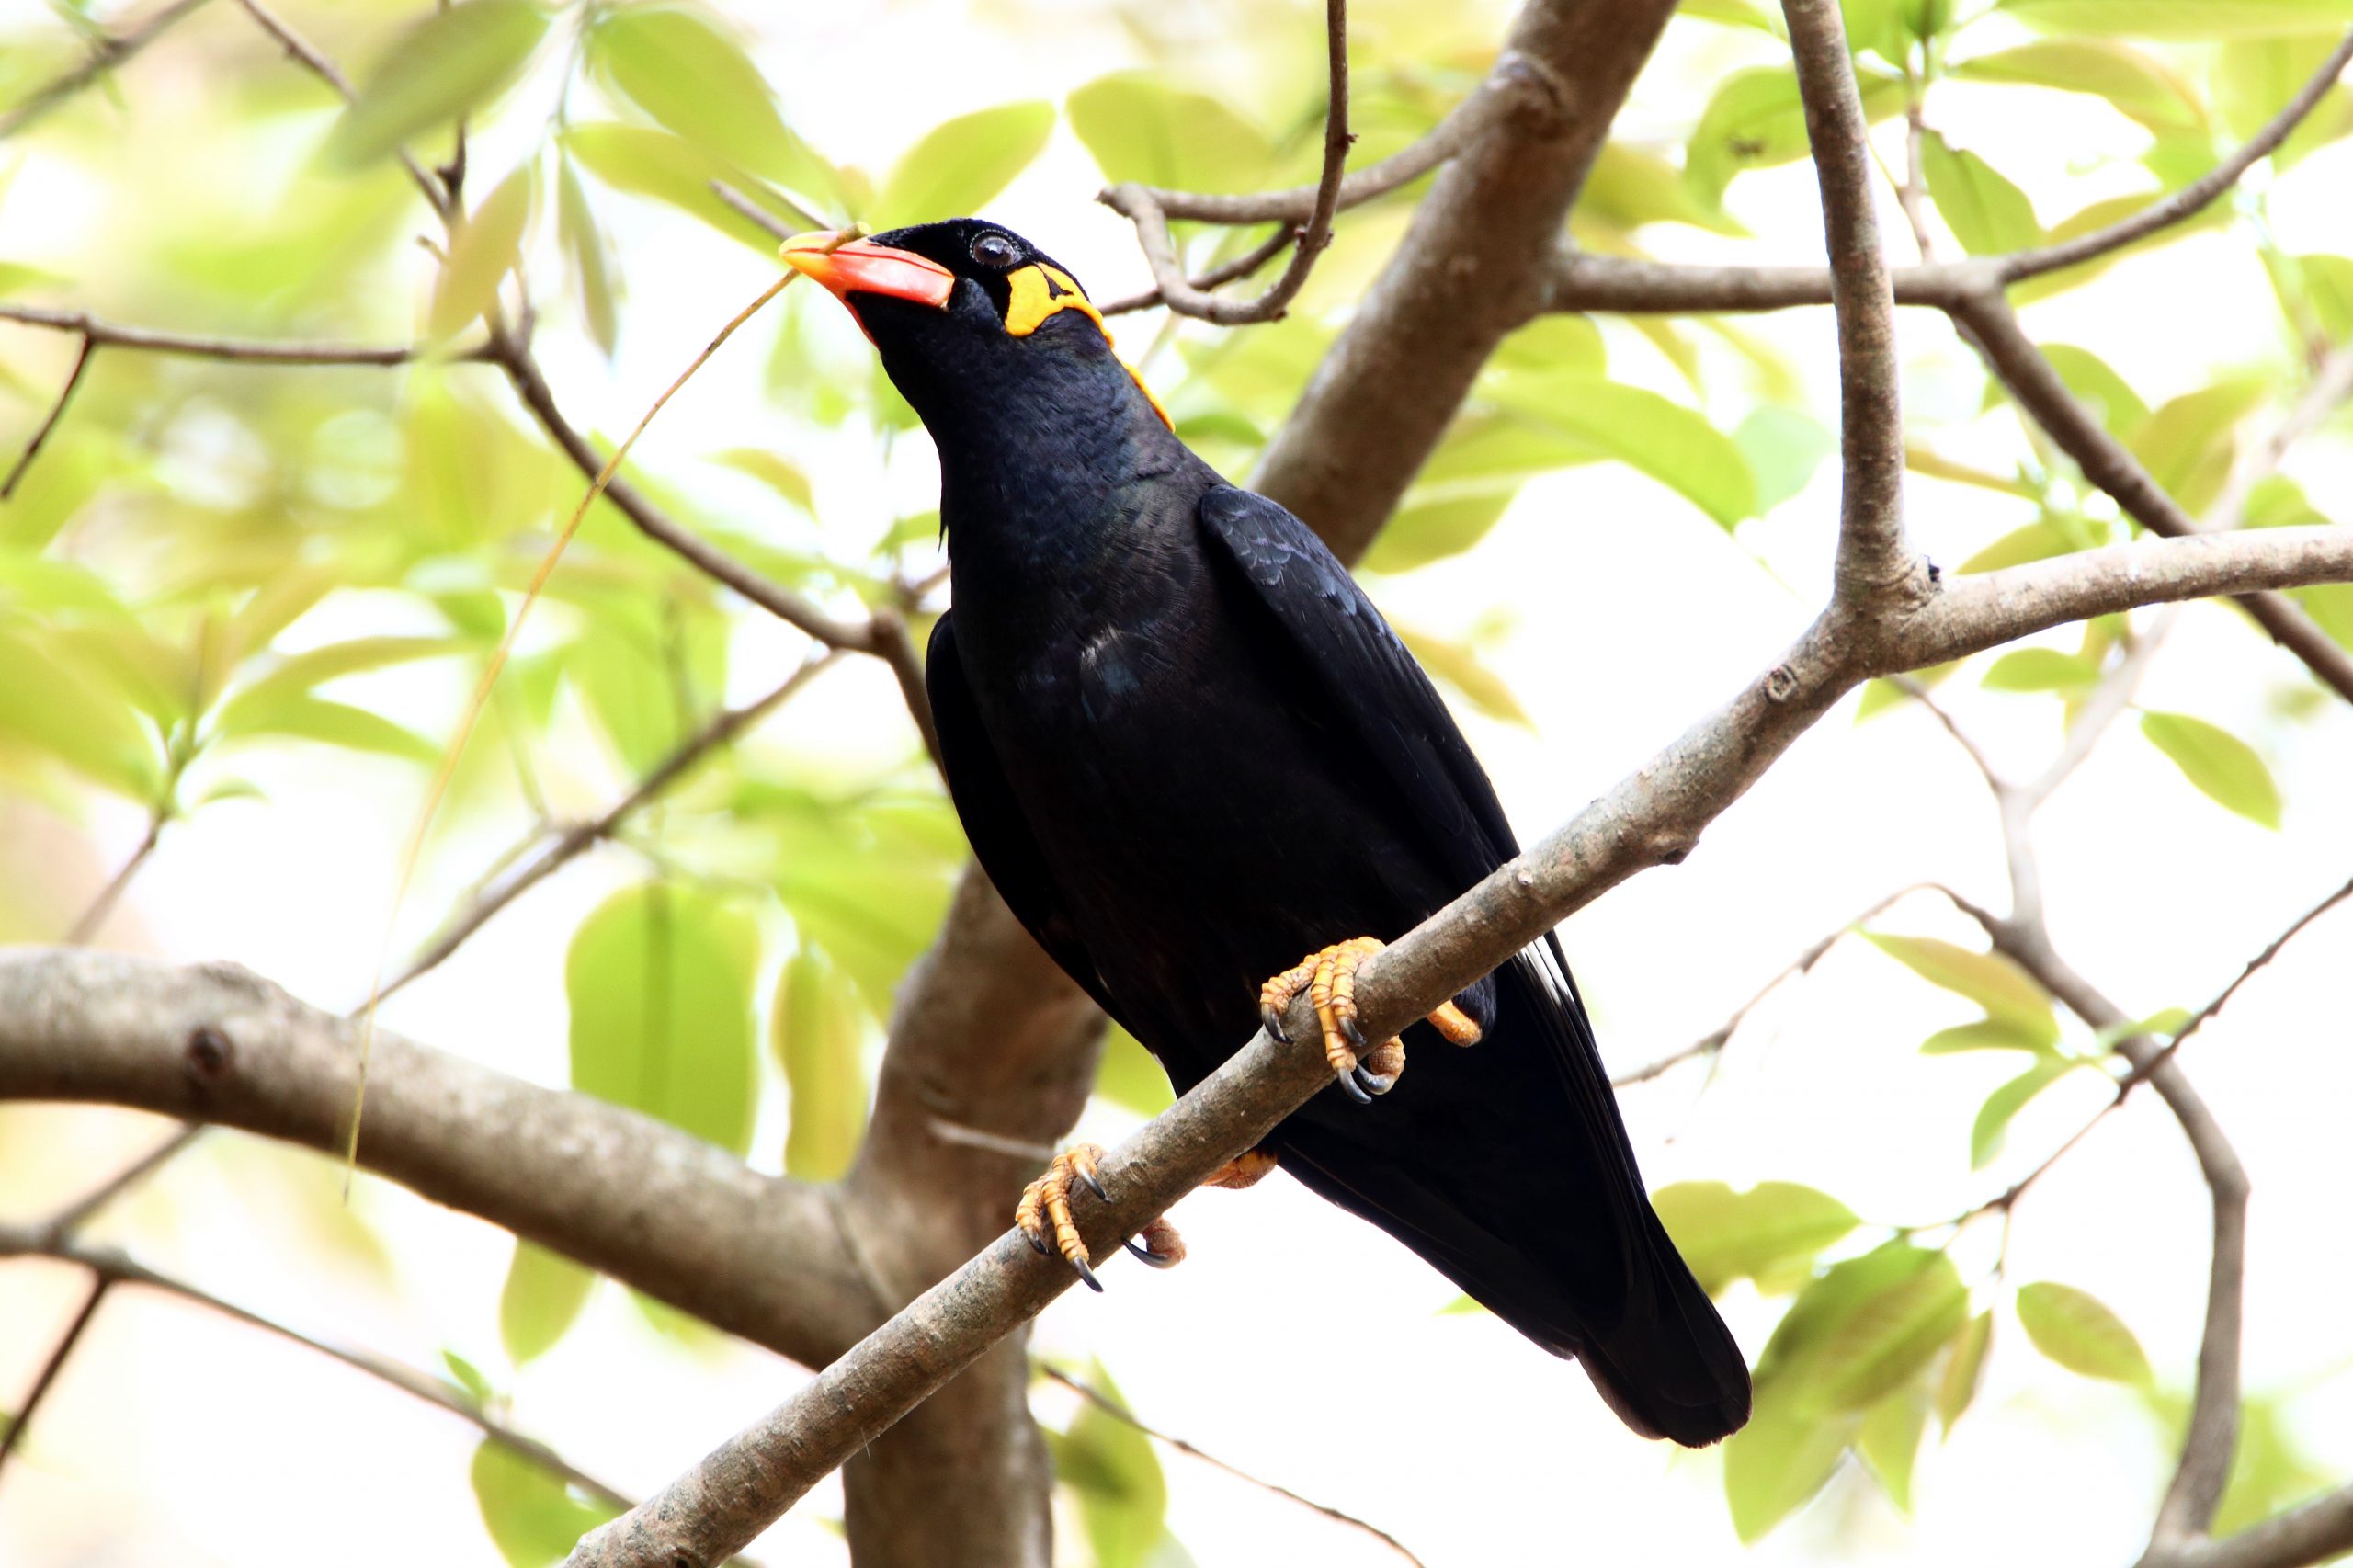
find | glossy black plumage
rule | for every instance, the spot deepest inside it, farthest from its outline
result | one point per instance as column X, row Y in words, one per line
column 1188, row 750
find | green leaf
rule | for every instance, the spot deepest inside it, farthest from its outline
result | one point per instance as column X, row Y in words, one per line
column 659, row 980
column 488, row 243
column 773, row 472
column 2001, row 1107
column 1763, row 1234
column 2078, row 1331
column 1964, row 1369
column 1985, row 1034
column 1457, row 665
column 593, row 269
column 469, row 1378
column 2048, row 536
column 2040, row 669
column 2088, row 377
column 47, row 705
column 1777, row 1462
column 644, row 162
column 1890, row 1335
column 2328, row 281
column 2139, row 86
column 1141, row 129
column 1629, row 187
column 303, row 717
column 2223, row 768
column 1673, row 444
column 1559, row 340
column 1783, row 448
column 302, row 673
column 1122, row 1496
column 1431, row 530
column 444, row 66
column 696, row 80
column 1888, row 1441
column 1986, row 213
column 542, row 1297
column 2188, row 443
column 1922, row 459
column 532, row 1518
column 819, row 1038
column 962, row 165
column 1756, row 119
column 2007, row 992
column 2183, row 19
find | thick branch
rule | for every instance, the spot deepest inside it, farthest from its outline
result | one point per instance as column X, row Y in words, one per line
column 1875, row 561
column 2315, row 1532
column 621, row 1192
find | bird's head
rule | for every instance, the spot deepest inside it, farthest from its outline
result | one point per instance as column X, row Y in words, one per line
column 968, row 316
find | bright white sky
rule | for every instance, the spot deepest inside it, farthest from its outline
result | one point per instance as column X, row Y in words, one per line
column 178, row 1438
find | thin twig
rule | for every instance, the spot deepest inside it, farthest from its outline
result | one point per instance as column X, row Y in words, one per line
column 1241, row 267
column 2190, row 199
column 319, row 65
column 109, row 1266
column 1120, row 1413
column 86, row 924
column 100, row 333
column 56, row 411
column 109, row 54
column 14, row 1436
column 72, row 1216
column 1713, row 1042
column 577, row 839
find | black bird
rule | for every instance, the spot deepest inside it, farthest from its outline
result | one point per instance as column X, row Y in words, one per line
column 1186, row 748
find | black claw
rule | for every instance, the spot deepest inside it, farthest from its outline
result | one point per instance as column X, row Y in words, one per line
column 1350, row 1030
column 1087, row 1274
column 1348, row 1082
column 1150, row 1257
column 1086, row 1179
column 1037, row 1243
column 1273, row 1020
column 1373, row 1082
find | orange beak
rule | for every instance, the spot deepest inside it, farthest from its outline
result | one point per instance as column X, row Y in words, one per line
column 861, row 266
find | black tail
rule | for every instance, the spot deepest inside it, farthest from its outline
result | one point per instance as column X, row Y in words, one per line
column 1507, row 1167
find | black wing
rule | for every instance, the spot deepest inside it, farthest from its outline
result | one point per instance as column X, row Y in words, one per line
column 1000, row 834
column 1367, row 676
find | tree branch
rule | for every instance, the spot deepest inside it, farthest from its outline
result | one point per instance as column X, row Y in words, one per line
column 2191, row 198
column 105, row 334
column 109, row 54
column 1470, row 268
column 108, row 1266
column 56, row 411
column 1875, row 563
column 2315, row 1532
column 1145, row 207
column 1992, row 328
column 47, row 1377
column 661, row 1210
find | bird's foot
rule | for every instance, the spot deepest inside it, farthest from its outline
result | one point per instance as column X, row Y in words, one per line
column 1158, row 1242
column 1329, row 978
column 1043, row 1214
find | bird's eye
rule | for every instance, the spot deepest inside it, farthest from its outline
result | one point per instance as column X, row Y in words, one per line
column 995, row 250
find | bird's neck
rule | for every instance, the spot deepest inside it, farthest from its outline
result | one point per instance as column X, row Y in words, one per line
column 1060, row 472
